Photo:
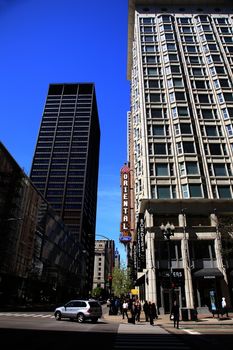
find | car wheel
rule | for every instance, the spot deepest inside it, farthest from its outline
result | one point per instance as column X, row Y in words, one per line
column 80, row 318
column 58, row 316
column 94, row 319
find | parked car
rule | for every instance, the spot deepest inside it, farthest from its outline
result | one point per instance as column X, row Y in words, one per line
column 80, row 310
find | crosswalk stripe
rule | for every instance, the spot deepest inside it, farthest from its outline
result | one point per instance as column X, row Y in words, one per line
column 147, row 338
column 190, row 332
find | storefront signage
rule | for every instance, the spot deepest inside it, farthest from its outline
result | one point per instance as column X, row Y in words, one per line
column 141, row 252
column 125, row 236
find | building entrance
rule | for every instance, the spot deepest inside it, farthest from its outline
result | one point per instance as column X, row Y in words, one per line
column 168, row 298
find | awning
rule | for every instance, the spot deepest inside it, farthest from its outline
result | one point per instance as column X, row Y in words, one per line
column 214, row 272
column 140, row 280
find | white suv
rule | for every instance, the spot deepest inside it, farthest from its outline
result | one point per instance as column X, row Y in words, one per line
column 79, row 310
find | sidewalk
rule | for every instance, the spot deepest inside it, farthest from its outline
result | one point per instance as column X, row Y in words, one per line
column 164, row 320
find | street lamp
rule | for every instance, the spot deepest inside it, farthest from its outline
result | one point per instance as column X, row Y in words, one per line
column 168, row 231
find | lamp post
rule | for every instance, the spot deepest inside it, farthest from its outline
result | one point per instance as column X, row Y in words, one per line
column 168, row 231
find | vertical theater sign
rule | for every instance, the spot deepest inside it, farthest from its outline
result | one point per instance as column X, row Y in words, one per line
column 125, row 236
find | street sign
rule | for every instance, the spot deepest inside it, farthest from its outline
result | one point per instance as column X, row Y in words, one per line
column 134, row 291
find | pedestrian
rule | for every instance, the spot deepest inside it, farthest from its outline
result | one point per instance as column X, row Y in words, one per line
column 151, row 313
column 175, row 314
column 154, row 311
column 137, row 310
column 224, row 307
column 146, row 309
column 108, row 302
column 124, row 310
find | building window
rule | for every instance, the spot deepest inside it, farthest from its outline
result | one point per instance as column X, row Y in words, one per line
column 156, row 113
column 155, row 97
column 197, row 71
column 179, row 147
column 185, row 191
column 185, row 129
column 195, row 191
column 182, row 168
column 149, row 48
column 174, row 113
column 229, row 130
column 183, row 111
column 211, row 131
column 152, row 71
column 192, row 168
column 147, row 20
column 161, row 169
column 163, row 192
column 158, row 130
column 148, row 29
column 173, row 57
column 180, row 96
column 178, row 82
column 153, row 84
column 192, row 191
column 219, row 170
column 225, row 113
column 188, row 147
column 153, row 193
column 215, row 149
column 224, row 192
column 207, row 114
column 194, row 59
column 203, row 98
column 203, row 249
column 150, row 59
column 172, row 97
column 149, row 38
column 160, row 148
column 191, row 48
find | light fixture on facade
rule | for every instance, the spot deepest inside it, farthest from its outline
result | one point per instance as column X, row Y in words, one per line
column 167, row 230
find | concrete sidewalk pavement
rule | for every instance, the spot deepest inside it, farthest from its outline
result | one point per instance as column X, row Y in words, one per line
column 164, row 320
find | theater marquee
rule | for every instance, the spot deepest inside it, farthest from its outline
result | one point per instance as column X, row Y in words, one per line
column 125, row 236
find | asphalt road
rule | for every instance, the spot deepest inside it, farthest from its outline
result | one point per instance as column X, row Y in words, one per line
column 36, row 331
column 41, row 331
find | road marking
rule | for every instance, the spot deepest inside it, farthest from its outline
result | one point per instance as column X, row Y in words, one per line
column 25, row 315
column 190, row 331
column 36, row 315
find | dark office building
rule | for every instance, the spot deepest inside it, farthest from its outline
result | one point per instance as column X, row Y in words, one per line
column 66, row 160
column 39, row 263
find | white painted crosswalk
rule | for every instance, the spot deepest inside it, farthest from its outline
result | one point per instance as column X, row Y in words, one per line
column 18, row 314
column 146, row 337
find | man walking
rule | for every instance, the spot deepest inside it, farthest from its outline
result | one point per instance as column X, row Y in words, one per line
column 124, row 310
column 175, row 311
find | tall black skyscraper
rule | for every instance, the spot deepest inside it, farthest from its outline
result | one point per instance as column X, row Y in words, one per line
column 66, row 160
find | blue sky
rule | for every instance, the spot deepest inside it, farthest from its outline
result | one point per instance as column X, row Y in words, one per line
column 56, row 41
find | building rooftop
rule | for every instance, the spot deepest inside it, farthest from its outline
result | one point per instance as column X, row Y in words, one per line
column 131, row 12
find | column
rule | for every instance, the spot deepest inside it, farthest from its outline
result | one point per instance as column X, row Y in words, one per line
column 151, row 294
column 186, row 264
column 218, row 246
